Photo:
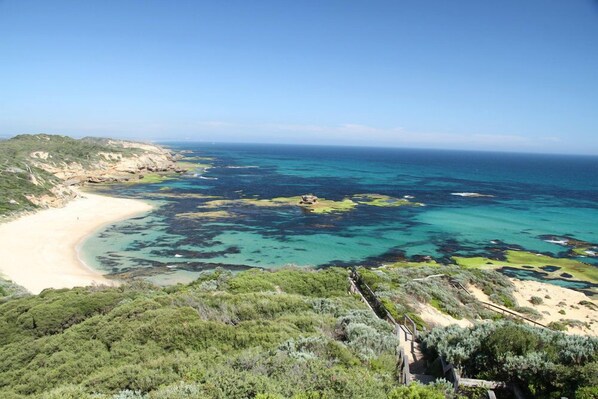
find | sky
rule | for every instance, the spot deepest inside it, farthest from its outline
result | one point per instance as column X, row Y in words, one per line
column 507, row 75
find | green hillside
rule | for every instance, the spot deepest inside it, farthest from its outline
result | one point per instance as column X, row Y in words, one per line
column 20, row 174
column 60, row 148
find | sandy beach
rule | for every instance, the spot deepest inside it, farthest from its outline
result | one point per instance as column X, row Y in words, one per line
column 558, row 304
column 39, row 251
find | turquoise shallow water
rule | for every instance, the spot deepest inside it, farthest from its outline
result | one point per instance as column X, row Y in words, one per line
column 532, row 196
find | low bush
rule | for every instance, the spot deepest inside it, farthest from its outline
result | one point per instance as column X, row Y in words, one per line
column 536, row 300
column 547, row 362
column 528, row 312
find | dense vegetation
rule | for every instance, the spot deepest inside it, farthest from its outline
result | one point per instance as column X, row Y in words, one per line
column 19, row 176
column 288, row 334
column 291, row 333
column 549, row 364
column 61, row 148
column 9, row 290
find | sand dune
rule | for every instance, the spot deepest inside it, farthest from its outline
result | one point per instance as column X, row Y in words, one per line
column 558, row 304
column 39, row 251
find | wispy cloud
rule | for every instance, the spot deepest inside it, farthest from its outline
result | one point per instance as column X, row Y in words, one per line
column 341, row 134
column 361, row 134
column 353, row 133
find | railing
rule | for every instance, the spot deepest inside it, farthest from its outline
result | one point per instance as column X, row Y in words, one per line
column 409, row 321
column 402, row 361
column 372, row 298
column 517, row 315
column 497, row 308
column 403, row 374
column 450, row 374
column 446, row 370
column 514, row 388
column 429, row 277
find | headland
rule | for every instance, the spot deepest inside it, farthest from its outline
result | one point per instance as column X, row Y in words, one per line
column 45, row 213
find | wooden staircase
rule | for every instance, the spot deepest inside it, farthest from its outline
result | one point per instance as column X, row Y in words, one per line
column 411, row 365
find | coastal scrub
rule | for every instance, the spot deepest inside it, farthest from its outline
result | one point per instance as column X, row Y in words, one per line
column 252, row 334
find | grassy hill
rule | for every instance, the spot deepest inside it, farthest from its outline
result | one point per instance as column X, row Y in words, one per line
column 60, row 148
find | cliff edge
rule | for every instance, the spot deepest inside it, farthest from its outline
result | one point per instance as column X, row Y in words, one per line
column 39, row 171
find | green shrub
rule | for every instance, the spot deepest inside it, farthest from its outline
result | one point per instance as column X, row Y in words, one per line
column 67, row 392
column 473, row 392
column 589, row 304
column 557, row 326
column 324, row 283
column 416, row 391
column 587, row 393
column 9, row 290
column 547, row 362
column 536, row 300
column 528, row 312
column 218, row 340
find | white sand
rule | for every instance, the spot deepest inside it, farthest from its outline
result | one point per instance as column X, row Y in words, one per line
column 435, row 318
column 555, row 301
column 39, row 251
column 558, row 304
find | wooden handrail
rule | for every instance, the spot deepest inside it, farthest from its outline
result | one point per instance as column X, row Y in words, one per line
column 403, row 367
column 413, row 332
column 514, row 314
column 500, row 308
column 402, row 361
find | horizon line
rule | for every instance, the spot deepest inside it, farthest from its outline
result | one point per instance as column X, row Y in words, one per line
column 210, row 142
column 375, row 146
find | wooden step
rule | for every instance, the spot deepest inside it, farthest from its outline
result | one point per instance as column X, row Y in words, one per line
column 423, row 378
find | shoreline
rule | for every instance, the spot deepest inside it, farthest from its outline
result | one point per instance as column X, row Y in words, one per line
column 42, row 250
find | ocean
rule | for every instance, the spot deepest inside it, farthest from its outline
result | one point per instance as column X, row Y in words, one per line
column 520, row 201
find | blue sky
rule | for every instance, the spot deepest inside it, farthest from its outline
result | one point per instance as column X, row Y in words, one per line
column 502, row 75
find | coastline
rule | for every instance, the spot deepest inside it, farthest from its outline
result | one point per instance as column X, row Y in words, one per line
column 41, row 250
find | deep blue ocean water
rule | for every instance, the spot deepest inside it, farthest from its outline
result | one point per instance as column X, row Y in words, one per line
column 532, row 196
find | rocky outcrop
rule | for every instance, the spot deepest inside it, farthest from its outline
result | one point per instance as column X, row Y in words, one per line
column 139, row 158
column 112, row 161
column 57, row 197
